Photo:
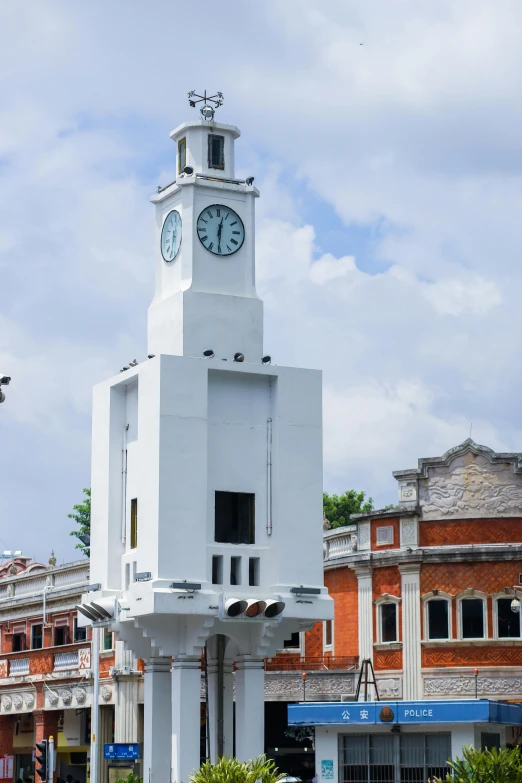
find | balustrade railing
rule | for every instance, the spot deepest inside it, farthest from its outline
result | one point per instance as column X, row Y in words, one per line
column 18, row 667
column 340, row 542
column 66, row 660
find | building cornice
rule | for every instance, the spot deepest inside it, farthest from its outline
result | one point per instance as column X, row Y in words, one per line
column 436, row 554
column 468, row 446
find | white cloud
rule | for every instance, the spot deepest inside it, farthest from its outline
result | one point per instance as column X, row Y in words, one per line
column 389, row 238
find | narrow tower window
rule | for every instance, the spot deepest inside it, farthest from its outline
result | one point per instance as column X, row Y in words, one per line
column 389, row 623
column 253, row 571
column 216, row 151
column 217, row 569
column 134, row 523
column 182, row 154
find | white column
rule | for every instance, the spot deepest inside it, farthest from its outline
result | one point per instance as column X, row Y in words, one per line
column 250, row 707
column 186, row 717
column 365, row 619
column 157, row 730
column 215, row 683
column 411, row 630
column 126, row 708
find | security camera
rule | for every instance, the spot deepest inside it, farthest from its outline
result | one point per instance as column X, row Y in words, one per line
column 4, row 380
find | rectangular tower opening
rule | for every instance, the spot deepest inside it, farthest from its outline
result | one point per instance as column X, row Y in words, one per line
column 217, row 569
column 235, row 570
column 216, row 151
column 235, row 518
column 253, row 571
column 134, row 523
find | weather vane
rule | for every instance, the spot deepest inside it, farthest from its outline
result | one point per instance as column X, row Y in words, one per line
column 207, row 111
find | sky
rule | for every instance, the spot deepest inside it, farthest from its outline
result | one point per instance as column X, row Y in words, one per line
column 385, row 140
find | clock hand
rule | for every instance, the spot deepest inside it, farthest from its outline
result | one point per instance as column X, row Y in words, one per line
column 220, row 229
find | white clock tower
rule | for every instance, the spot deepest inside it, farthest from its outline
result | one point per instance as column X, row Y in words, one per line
column 205, row 295
column 206, row 529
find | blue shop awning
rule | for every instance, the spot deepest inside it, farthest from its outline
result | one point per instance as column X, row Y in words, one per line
column 360, row 713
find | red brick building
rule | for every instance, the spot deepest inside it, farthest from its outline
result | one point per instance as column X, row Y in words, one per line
column 46, row 673
column 426, row 590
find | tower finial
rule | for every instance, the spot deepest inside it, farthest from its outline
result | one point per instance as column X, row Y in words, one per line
column 207, row 111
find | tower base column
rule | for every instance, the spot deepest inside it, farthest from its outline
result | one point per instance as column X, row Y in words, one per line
column 157, row 734
column 186, row 717
column 250, row 707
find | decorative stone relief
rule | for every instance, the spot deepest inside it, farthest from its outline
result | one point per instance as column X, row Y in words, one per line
column 384, row 535
column 408, row 492
column 7, row 702
column 289, row 686
column 390, row 688
column 66, row 695
column 18, row 701
column 29, row 699
column 10, row 591
column 84, row 658
column 455, row 686
column 106, row 693
column 471, row 486
column 363, row 536
column 409, row 531
column 81, row 695
column 53, row 698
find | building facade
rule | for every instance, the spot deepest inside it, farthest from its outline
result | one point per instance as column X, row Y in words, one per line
column 46, row 677
column 428, row 592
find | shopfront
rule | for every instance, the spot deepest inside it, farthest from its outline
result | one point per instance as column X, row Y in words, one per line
column 400, row 742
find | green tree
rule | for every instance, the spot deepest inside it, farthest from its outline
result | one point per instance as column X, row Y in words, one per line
column 339, row 508
column 230, row 770
column 486, row 766
column 82, row 516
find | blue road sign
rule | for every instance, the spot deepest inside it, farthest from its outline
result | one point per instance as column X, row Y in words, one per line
column 122, row 750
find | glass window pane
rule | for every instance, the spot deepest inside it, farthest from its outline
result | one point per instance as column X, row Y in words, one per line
column 412, row 750
column 472, row 612
column 438, row 749
column 438, row 627
column 508, row 622
column 389, row 622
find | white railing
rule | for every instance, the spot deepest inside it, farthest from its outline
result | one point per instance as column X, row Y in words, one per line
column 66, row 660
column 340, row 542
column 18, row 667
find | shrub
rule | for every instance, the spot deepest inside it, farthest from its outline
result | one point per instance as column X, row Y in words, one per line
column 230, row 770
column 486, row 766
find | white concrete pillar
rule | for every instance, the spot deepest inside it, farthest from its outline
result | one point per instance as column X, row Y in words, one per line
column 157, row 731
column 186, row 717
column 365, row 620
column 225, row 682
column 126, row 701
column 250, row 707
column 411, row 631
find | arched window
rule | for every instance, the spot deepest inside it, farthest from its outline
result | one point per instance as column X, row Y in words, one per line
column 438, row 614
column 472, row 616
column 508, row 621
column 388, row 619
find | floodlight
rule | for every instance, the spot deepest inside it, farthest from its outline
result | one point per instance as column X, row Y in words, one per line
column 188, row 170
column 266, row 360
column 249, row 180
column 239, row 357
column 209, row 353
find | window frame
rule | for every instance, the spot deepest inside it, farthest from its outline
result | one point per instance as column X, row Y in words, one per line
column 379, row 603
column 328, row 647
column 476, row 595
column 33, row 626
column 134, row 523
column 495, row 598
column 182, row 143
column 439, row 596
column 104, row 649
column 212, row 136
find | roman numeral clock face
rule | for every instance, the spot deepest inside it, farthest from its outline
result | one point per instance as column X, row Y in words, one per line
column 220, row 230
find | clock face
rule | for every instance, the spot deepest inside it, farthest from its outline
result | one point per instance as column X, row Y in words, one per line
column 171, row 236
column 220, row 230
